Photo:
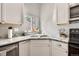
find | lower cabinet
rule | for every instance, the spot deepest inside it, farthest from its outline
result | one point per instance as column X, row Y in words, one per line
column 39, row 51
column 59, row 49
column 39, row 48
column 24, row 48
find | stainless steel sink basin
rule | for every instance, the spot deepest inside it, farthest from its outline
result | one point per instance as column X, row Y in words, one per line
column 44, row 36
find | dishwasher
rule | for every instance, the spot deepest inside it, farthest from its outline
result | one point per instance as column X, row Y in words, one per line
column 9, row 50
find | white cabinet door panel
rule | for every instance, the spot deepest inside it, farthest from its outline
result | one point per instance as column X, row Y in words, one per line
column 59, row 49
column 12, row 13
column 62, row 13
column 24, row 48
column 59, row 52
column 39, row 48
column 39, row 51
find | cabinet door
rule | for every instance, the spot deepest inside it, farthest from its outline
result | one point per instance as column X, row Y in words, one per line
column 39, row 48
column 39, row 51
column 62, row 13
column 59, row 49
column 12, row 13
column 24, row 48
column 52, row 49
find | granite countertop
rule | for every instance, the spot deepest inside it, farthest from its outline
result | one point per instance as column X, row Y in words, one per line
column 22, row 38
column 18, row 39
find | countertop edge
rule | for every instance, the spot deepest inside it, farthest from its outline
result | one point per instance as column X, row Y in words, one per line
column 24, row 38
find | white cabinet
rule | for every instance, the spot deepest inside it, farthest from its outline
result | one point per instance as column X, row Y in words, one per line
column 39, row 48
column 62, row 13
column 12, row 13
column 59, row 49
column 24, row 48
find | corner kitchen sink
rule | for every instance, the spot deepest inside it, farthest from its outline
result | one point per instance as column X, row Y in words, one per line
column 39, row 36
column 44, row 36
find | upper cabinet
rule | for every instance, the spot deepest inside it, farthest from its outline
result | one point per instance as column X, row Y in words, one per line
column 12, row 13
column 62, row 13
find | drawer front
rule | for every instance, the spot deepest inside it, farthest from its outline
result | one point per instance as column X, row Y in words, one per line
column 39, row 43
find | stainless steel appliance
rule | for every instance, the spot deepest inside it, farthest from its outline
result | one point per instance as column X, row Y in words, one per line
column 9, row 50
column 74, row 42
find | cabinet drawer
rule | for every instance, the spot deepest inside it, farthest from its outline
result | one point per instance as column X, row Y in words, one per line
column 39, row 43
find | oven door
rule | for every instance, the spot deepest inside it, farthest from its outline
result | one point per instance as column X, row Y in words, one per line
column 73, row 50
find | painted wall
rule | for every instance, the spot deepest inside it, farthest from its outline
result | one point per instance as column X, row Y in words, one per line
column 4, row 30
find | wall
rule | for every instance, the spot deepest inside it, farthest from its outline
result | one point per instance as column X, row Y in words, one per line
column 48, row 20
column 4, row 29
